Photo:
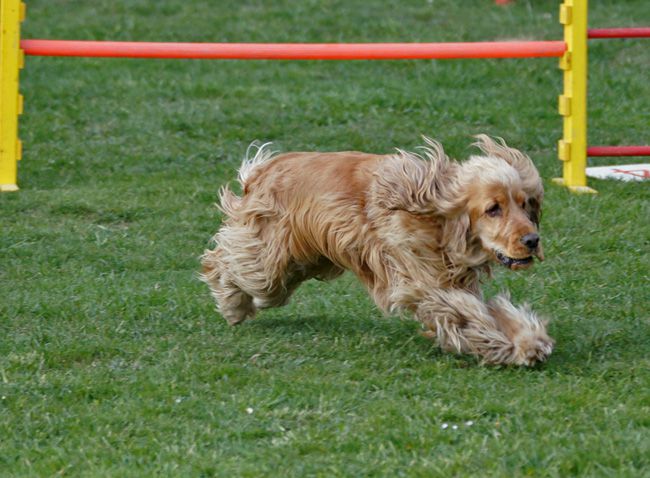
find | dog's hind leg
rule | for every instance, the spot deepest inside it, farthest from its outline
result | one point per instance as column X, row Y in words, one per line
column 462, row 323
column 281, row 290
column 251, row 268
column 237, row 270
column 233, row 303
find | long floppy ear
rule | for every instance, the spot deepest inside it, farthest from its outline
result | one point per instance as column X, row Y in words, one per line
column 418, row 184
column 534, row 210
column 456, row 237
column 518, row 160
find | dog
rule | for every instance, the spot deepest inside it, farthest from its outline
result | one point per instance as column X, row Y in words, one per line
column 420, row 231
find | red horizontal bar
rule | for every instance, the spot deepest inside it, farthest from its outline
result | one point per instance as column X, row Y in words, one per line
column 640, row 32
column 594, row 151
column 295, row 51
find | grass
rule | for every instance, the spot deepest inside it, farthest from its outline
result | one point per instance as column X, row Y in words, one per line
column 113, row 361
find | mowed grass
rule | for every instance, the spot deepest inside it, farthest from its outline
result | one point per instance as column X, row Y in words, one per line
column 113, row 361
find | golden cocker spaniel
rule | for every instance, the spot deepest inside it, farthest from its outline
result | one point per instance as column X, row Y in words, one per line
column 418, row 230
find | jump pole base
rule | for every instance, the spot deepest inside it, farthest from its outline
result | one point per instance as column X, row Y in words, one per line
column 575, row 189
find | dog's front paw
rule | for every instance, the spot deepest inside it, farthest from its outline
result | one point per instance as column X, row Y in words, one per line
column 532, row 348
column 532, row 343
column 524, row 329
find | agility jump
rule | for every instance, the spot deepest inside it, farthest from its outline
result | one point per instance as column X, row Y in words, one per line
column 572, row 148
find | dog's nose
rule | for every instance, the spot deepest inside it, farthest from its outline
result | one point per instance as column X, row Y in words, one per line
column 530, row 240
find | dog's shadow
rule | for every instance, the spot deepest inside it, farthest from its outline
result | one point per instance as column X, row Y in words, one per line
column 334, row 325
column 368, row 335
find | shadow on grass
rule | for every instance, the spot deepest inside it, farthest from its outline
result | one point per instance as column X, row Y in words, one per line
column 332, row 324
column 396, row 335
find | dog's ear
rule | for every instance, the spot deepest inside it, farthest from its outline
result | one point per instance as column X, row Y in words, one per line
column 518, row 160
column 417, row 184
column 456, row 235
column 404, row 183
column 534, row 210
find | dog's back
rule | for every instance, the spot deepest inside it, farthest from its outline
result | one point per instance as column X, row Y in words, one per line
column 299, row 176
column 323, row 198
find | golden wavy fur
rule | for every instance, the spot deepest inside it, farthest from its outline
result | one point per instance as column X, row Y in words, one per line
column 418, row 230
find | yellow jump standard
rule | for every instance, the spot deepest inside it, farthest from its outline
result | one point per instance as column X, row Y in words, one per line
column 12, row 59
column 572, row 104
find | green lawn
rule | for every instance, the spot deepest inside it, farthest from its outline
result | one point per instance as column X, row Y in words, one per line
column 113, row 361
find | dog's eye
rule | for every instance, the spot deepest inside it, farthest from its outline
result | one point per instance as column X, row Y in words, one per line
column 494, row 211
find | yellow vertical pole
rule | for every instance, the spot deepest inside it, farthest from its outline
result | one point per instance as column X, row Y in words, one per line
column 572, row 148
column 12, row 59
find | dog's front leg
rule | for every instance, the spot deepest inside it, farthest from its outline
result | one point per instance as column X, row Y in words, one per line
column 462, row 323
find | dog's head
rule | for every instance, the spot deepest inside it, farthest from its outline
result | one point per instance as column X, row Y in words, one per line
column 489, row 205
column 504, row 196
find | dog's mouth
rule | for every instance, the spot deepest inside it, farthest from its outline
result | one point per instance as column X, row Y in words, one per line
column 513, row 263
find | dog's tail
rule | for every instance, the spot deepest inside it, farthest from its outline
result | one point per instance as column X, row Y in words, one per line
column 229, row 202
column 263, row 153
